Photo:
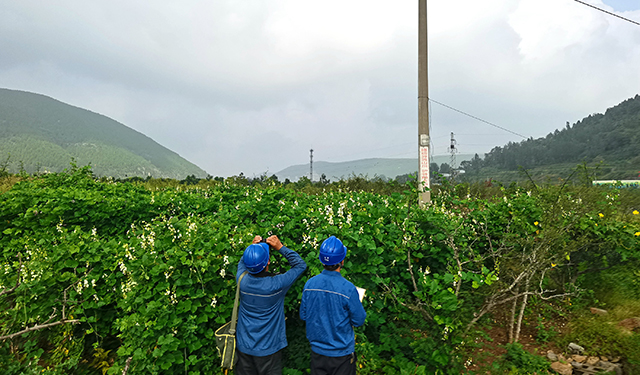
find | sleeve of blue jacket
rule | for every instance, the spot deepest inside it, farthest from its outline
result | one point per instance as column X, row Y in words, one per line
column 298, row 265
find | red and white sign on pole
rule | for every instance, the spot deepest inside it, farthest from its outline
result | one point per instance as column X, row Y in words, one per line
column 424, row 167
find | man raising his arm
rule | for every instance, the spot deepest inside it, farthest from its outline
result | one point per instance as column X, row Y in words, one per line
column 261, row 332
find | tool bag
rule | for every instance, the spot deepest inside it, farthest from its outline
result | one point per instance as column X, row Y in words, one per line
column 226, row 335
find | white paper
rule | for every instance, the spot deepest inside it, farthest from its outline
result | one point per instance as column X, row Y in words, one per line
column 361, row 292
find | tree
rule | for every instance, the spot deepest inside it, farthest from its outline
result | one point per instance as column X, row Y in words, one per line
column 190, row 180
column 434, row 168
column 445, row 168
column 324, row 180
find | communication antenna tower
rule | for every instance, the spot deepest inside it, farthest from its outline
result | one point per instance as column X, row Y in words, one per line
column 311, row 165
column 453, row 150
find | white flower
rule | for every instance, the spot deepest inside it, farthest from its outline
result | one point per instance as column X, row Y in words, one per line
column 59, row 226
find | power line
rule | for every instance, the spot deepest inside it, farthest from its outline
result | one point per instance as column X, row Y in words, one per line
column 602, row 10
column 478, row 118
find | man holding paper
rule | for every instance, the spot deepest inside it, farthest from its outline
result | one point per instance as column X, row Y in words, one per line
column 331, row 306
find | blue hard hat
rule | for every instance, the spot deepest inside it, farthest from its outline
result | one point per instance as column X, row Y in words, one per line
column 256, row 257
column 332, row 251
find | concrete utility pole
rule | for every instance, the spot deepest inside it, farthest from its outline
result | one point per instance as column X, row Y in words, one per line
column 311, row 165
column 424, row 140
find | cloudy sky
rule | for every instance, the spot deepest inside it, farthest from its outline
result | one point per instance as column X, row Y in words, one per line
column 250, row 86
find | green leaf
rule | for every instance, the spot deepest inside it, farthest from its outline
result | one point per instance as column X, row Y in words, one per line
column 195, row 346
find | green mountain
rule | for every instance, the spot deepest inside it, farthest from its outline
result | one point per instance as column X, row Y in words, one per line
column 609, row 143
column 381, row 167
column 38, row 134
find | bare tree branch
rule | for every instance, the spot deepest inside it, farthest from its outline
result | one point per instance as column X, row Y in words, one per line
column 456, row 257
column 7, row 291
column 512, row 319
column 556, row 296
column 523, row 306
column 53, row 315
column 413, row 279
column 38, row 327
column 413, row 307
column 46, row 324
column 126, row 366
column 64, row 293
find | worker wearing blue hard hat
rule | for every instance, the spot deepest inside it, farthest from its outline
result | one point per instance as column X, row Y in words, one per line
column 331, row 306
column 261, row 334
column 256, row 257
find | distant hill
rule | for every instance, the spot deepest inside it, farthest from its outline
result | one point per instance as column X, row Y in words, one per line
column 389, row 168
column 608, row 142
column 38, row 133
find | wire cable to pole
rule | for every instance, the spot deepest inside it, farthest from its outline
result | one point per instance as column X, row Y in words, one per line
column 602, row 10
column 478, row 118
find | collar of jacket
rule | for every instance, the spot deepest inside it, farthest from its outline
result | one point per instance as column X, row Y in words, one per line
column 264, row 273
column 331, row 273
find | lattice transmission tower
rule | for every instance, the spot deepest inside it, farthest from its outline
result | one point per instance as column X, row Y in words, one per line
column 453, row 150
column 311, row 165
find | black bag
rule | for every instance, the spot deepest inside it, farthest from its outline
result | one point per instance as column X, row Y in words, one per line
column 226, row 335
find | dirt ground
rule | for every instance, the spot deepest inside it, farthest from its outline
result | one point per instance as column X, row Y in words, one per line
column 491, row 347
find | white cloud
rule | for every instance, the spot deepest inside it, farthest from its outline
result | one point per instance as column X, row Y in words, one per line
column 547, row 28
column 301, row 28
column 252, row 85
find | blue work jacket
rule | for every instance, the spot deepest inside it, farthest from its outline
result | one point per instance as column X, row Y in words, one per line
column 331, row 308
column 261, row 328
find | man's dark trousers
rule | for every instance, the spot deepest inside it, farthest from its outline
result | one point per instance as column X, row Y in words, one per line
column 252, row 365
column 323, row 365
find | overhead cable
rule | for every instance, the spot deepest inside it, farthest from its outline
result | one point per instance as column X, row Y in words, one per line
column 477, row 118
column 602, row 10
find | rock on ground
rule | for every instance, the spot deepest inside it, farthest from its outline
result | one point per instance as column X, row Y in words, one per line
column 631, row 324
column 562, row 368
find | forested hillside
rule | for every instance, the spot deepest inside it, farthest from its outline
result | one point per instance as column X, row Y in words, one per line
column 38, row 133
column 611, row 139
